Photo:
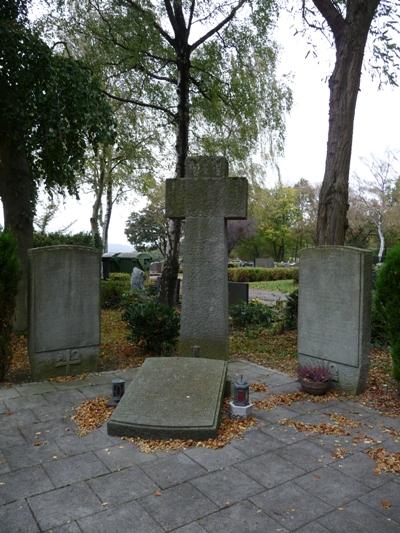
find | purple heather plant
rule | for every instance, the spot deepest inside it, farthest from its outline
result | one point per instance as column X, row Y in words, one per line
column 317, row 373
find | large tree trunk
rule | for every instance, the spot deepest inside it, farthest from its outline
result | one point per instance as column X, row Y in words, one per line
column 107, row 216
column 18, row 192
column 171, row 266
column 350, row 38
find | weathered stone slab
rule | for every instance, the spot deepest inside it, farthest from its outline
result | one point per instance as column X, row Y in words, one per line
column 64, row 310
column 335, row 311
column 238, row 292
column 265, row 262
column 172, row 397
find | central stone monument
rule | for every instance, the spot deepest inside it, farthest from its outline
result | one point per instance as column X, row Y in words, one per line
column 181, row 397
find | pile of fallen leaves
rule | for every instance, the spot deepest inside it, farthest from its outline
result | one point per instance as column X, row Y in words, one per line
column 385, row 461
column 322, row 428
column 287, row 399
column 92, row 414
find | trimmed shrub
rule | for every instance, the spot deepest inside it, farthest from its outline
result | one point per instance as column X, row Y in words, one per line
column 153, row 325
column 388, row 303
column 291, row 310
column 10, row 273
column 112, row 290
column 249, row 274
column 251, row 314
column 56, row 238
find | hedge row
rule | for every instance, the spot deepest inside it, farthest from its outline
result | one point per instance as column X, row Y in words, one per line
column 262, row 274
column 113, row 289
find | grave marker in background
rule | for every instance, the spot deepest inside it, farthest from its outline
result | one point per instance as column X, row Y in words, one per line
column 64, row 310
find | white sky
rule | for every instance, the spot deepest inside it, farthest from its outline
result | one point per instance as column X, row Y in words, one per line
column 376, row 129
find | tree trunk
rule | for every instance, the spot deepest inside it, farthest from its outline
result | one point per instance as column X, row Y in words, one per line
column 381, row 240
column 107, row 216
column 18, row 193
column 94, row 219
column 171, row 265
column 350, row 38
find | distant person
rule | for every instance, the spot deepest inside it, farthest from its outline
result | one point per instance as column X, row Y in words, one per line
column 137, row 279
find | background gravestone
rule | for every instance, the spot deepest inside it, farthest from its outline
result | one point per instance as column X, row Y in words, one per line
column 238, row 293
column 64, row 310
column 335, row 311
column 265, row 262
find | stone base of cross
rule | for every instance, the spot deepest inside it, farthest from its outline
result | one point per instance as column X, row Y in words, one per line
column 206, row 198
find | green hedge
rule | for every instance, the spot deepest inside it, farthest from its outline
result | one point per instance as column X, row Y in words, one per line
column 249, row 274
column 113, row 289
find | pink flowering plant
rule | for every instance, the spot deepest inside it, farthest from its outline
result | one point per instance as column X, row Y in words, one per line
column 318, row 373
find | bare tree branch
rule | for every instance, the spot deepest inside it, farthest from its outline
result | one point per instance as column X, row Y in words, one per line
column 331, row 14
column 141, row 104
column 157, row 26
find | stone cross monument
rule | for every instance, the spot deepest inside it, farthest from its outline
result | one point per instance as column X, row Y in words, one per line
column 206, row 198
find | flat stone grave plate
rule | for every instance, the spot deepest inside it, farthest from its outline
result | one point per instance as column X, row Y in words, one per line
column 172, row 397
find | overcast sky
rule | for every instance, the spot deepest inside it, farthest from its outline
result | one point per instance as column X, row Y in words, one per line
column 376, row 130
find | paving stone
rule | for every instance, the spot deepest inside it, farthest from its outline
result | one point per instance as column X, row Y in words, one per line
column 285, row 434
column 276, row 378
column 39, row 387
column 4, row 467
column 21, row 402
column 71, row 527
column 127, row 517
column 17, row 517
column 3, row 407
column 50, row 430
column 285, row 388
column 256, row 442
column 190, row 528
column 274, row 415
column 227, row 486
column 71, row 444
column 23, row 483
column 290, row 505
column 6, row 393
column 313, row 527
column 359, row 518
column 307, row 407
column 123, row 486
column 352, row 410
column 17, row 418
column 123, row 455
column 172, row 470
column 74, row 469
column 71, row 396
column 390, row 492
column 60, row 506
column 178, row 506
column 332, row 486
column 53, row 411
column 10, row 436
column 90, row 392
column 29, row 455
column 216, row 459
column 307, row 454
column 361, row 467
column 270, row 469
column 243, row 516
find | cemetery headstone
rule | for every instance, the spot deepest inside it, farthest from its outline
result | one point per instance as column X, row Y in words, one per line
column 156, row 267
column 137, row 279
column 335, row 312
column 206, row 198
column 64, row 310
column 238, row 292
column 265, row 262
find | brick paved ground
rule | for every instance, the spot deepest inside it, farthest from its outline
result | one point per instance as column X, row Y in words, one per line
column 275, row 479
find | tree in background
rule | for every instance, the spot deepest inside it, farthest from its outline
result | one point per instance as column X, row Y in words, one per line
column 51, row 108
column 9, row 268
column 148, row 228
column 377, row 196
column 239, row 230
column 212, row 86
column 350, row 23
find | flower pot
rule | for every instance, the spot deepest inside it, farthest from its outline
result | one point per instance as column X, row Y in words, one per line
column 317, row 388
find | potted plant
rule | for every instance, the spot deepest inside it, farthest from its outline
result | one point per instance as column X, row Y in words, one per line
column 315, row 379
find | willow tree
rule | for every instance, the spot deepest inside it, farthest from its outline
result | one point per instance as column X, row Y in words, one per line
column 204, row 72
column 351, row 23
column 51, row 107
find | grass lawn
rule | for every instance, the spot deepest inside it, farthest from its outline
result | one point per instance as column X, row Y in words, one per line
column 282, row 285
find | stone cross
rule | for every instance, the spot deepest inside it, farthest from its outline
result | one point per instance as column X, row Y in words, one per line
column 67, row 359
column 206, row 198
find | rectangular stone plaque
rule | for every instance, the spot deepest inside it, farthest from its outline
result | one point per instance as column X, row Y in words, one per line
column 334, row 308
column 64, row 310
column 172, row 397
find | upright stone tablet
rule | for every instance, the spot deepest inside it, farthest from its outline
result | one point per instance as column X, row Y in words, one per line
column 335, row 312
column 206, row 198
column 64, row 310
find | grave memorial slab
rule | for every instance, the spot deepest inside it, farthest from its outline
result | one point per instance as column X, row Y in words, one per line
column 335, row 312
column 64, row 310
column 265, row 262
column 206, row 198
column 172, row 397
